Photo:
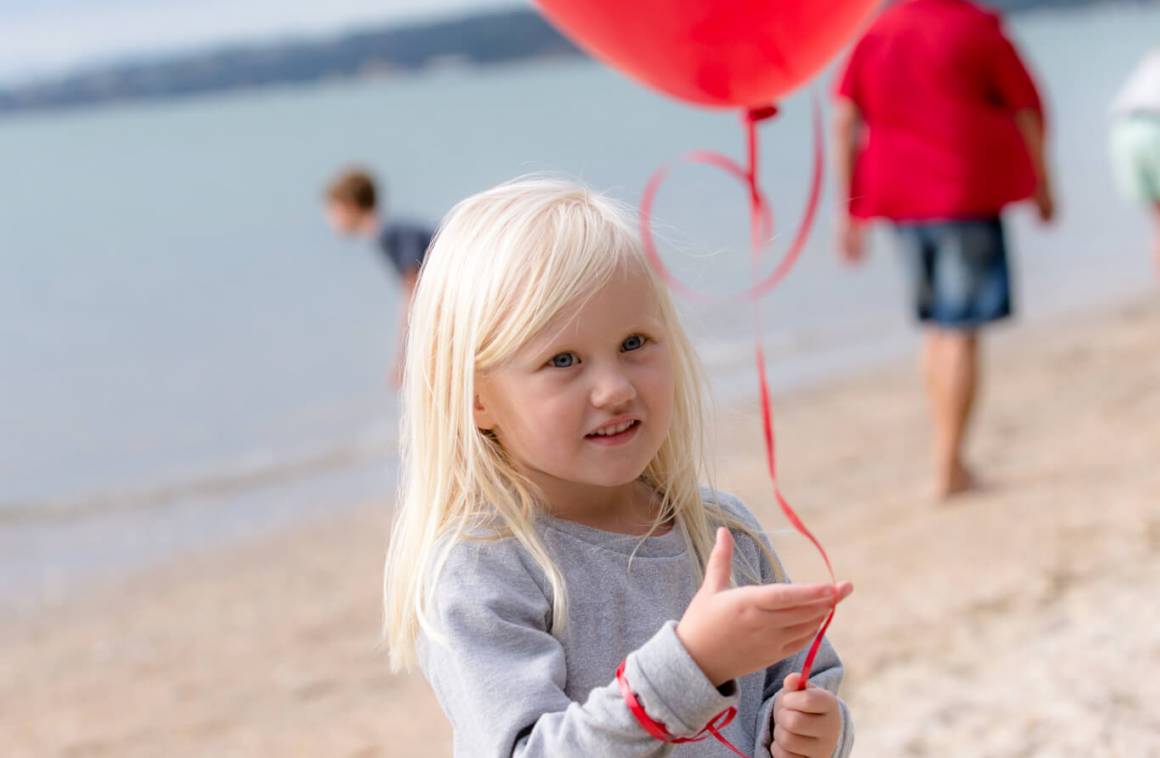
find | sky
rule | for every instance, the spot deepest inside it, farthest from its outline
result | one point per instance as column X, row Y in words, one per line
column 44, row 37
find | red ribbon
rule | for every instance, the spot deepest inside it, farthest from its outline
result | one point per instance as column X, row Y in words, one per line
column 761, row 232
column 658, row 730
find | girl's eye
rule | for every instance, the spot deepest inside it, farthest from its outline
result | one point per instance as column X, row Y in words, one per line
column 564, row 360
column 635, row 342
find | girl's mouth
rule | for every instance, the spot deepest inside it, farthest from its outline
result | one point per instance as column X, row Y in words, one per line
column 615, row 434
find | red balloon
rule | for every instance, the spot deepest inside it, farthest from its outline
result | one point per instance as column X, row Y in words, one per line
column 723, row 53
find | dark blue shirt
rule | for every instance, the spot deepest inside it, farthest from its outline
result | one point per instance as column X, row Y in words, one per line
column 404, row 243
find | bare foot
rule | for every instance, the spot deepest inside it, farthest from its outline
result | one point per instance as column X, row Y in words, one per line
column 954, row 482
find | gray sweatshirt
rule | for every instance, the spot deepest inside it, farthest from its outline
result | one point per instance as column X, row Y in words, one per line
column 511, row 688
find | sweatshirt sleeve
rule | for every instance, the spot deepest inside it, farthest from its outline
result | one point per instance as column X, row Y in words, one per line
column 827, row 669
column 499, row 674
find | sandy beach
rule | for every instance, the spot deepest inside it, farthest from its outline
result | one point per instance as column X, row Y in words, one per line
column 1021, row 620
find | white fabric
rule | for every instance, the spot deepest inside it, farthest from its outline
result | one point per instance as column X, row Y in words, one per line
column 1141, row 93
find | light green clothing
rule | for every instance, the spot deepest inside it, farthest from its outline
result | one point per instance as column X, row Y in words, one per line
column 1135, row 150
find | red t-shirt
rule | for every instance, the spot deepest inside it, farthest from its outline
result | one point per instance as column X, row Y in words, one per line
column 938, row 84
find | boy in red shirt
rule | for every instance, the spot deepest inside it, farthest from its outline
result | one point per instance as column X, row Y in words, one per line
column 938, row 127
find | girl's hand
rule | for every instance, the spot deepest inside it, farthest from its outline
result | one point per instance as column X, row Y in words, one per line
column 731, row 632
column 806, row 723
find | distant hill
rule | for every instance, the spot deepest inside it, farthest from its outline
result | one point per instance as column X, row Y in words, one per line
column 474, row 40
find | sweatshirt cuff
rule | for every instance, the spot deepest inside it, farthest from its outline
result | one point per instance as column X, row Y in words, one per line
column 846, row 736
column 765, row 728
column 671, row 686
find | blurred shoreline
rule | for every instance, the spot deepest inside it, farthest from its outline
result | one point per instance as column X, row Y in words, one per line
column 1034, row 595
column 476, row 40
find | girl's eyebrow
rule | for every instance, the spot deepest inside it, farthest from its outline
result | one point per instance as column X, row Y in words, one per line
column 548, row 346
column 649, row 324
column 539, row 354
column 545, row 345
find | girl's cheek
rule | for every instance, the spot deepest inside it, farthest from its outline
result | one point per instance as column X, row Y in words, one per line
column 659, row 380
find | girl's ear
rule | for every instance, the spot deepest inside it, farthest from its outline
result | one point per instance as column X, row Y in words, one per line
column 483, row 417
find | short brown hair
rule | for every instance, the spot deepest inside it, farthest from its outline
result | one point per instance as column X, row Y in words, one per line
column 354, row 187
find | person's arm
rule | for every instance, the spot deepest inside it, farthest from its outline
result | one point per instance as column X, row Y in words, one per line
column 407, row 282
column 847, row 138
column 826, row 674
column 827, row 671
column 1015, row 89
column 499, row 674
column 1031, row 128
column 847, row 129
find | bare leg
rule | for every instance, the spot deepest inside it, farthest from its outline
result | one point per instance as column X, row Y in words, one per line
column 1156, row 243
column 953, row 387
column 931, row 353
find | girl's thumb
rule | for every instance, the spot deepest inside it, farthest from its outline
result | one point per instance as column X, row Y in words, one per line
column 719, row 569
column 793, row 682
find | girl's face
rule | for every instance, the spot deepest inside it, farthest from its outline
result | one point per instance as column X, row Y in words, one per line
column 588, row 400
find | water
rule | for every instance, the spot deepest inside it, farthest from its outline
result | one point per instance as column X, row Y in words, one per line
column 189, row 356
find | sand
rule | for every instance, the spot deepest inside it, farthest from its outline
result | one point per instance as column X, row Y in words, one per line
column 1021, row 620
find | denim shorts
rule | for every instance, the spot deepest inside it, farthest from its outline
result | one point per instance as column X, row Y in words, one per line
column 958, row 271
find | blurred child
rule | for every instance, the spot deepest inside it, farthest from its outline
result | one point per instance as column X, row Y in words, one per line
column 354, row 208
column 1135, row 139
column 555, row 568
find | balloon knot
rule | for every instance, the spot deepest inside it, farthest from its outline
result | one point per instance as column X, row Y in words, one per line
column 761, row 113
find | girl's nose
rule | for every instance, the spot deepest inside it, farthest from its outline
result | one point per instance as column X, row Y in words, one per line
column 612, row 389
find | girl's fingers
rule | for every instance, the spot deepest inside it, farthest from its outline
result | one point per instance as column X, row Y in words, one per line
column 801, row 724
column 777, row 751
column 800, row 642
column 776, row 597
column 791, row 684
column 805, row 629
column 796, row 743
column 799, row 614
column 813, row 701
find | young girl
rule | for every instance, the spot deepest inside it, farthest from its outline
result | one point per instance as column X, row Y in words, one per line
column 551, row 535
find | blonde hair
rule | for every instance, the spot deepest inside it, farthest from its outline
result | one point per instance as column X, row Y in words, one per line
column 504, row 263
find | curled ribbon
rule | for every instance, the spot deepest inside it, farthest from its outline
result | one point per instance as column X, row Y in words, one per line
column 761, row 233
column 658, row 731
